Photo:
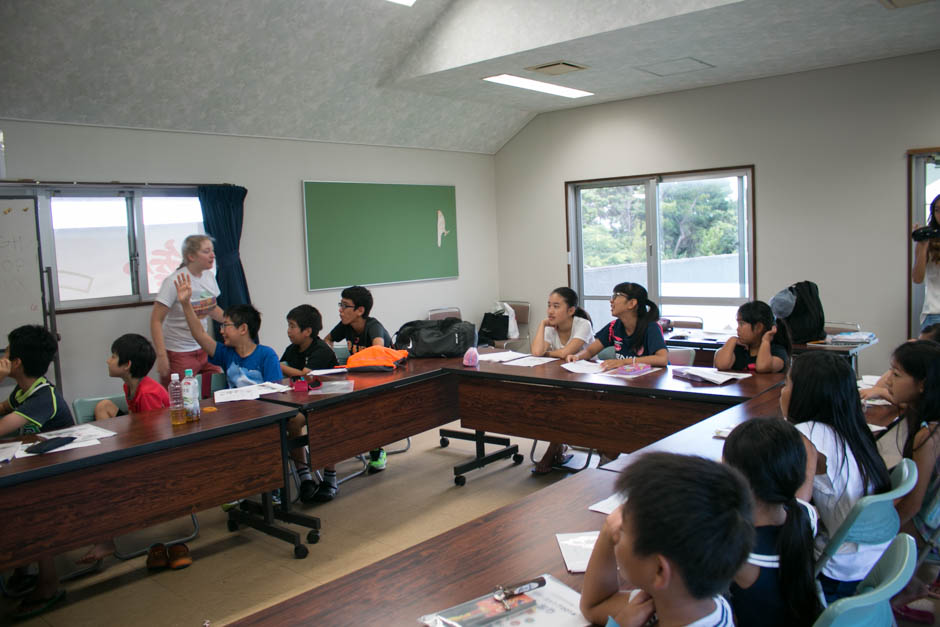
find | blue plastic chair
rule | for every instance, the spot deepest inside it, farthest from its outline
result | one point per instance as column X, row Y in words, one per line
column 873, row 519
column 871, row 603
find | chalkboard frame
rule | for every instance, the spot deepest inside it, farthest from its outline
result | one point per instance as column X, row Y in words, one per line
column 378, row 233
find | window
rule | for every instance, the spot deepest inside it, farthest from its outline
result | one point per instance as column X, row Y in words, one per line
column 686, row 237
column 94, row 240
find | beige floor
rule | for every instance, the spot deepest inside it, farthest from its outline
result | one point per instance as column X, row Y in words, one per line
column 236, row 574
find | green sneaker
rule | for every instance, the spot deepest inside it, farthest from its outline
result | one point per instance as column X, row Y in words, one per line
column 377, row 463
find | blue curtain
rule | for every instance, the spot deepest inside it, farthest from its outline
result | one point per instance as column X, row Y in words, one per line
column 223, row 209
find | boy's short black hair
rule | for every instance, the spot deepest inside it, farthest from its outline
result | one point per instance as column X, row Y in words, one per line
column 307, row 317
column 245, row 314
column 135, row 348
column 695, row 512
column 34, row 346
column 360, row 296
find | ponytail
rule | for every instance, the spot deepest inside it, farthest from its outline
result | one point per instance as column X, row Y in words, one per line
column 757, row 311
column 571, row 299
column 796, row 578
column 769, row 452
column 646, row 310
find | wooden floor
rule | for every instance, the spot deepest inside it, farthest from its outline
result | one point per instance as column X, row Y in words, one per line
column 236, row 574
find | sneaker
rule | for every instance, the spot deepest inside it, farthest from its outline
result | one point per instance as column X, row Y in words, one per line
column 308, row 488
column 325, row 492
column 377, row 463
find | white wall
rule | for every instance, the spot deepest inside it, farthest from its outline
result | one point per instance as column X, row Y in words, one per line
column 272, row 247
column 830, row 178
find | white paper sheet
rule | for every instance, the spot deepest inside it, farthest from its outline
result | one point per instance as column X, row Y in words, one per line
column 8, row 450
column 608, row 505
column 583, row 367
column 81, row 433
column 333, row 387
column 576, row 548
column 249, row 392
column 530, row 361
column 76, row 444
column 327, row 371
column 503, row 356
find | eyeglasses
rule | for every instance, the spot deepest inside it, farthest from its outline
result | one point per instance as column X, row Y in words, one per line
column 345, row 306
column 227, row 324
column 614, row 296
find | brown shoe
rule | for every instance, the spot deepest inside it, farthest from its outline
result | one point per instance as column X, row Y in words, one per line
column 179, row 556
column 157, row 557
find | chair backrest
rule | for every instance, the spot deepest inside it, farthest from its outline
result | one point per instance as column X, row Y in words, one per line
column 342, row 353
column 521, row 309
column 871, row 603
column 681, row 356
column 608, row 352
column 83, row 409
column 218, row 382
column 873, row 519
column 444, row 312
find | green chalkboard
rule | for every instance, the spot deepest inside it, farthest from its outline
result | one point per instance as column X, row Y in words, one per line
column 369, row 233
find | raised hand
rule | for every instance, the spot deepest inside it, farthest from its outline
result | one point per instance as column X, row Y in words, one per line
column 184, row 288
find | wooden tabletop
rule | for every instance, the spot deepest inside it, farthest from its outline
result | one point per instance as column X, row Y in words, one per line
column 513, row 543
column 143, row 433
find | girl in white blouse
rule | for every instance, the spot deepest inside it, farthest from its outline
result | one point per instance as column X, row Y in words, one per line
column 564, row 331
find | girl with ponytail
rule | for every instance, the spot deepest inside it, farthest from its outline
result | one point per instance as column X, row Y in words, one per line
column 776, row 586
column 634, row 332
column 761, row 345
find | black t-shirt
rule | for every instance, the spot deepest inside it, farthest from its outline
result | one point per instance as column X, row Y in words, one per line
column 318, row 356
column 615, row 334
column 744, row 360
column 42, row 406
column 358, row 341
column 761, row 603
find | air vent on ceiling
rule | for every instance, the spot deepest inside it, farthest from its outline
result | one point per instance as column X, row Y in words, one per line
column 677, row 66
column 556, row 68
column 900, row 4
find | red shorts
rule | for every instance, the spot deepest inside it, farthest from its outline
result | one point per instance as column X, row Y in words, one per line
column 198, row 362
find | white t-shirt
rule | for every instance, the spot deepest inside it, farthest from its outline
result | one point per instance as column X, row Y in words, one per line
column 580, row 329
column 931, row 290
column 834, row 494
column 176, row 335
column 721, row 616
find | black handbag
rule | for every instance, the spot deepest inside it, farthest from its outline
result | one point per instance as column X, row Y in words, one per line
column 494, row 327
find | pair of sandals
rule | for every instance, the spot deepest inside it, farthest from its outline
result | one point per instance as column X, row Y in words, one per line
column 174, row 557
column 19, row 586
column 561, row 458
column 914, row 615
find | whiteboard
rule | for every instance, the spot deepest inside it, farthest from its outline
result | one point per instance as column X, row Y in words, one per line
column 20, row 275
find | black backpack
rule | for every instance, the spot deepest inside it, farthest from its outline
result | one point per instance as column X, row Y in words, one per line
column 807, row 321
column 450, row 337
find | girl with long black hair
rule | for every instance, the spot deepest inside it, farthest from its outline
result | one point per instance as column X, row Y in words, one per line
column 776, row 586
column 821, row 398
column 634, row 332
column 762, row 343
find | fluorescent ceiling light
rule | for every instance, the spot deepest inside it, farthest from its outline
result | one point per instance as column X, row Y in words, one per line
column 528, row 83
column 407, row 3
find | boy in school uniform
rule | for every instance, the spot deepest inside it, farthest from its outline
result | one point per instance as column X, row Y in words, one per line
column 132, row 357
column 305, row 352
column 243, row 360
column 360, row 331
column 680, row 537
column 34, row 406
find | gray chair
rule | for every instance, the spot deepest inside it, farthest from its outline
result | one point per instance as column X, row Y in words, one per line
column 681, row 356
column 521, row 343
column 442, row 313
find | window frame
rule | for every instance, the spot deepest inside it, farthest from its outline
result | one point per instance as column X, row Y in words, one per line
column 141, row 294
column 746, row 209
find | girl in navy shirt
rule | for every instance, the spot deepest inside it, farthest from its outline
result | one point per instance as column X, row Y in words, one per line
column 634, row 332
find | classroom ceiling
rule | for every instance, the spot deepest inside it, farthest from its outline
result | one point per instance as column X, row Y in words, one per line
column 374, row 72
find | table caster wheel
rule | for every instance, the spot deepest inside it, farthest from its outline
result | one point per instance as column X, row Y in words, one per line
column 460, row 480
column 313, row 537
column 232, row 525
column 444, row 442
column 518, row 459
column 301, row 551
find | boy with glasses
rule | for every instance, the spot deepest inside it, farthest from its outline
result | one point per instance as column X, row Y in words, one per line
column 360, row 331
